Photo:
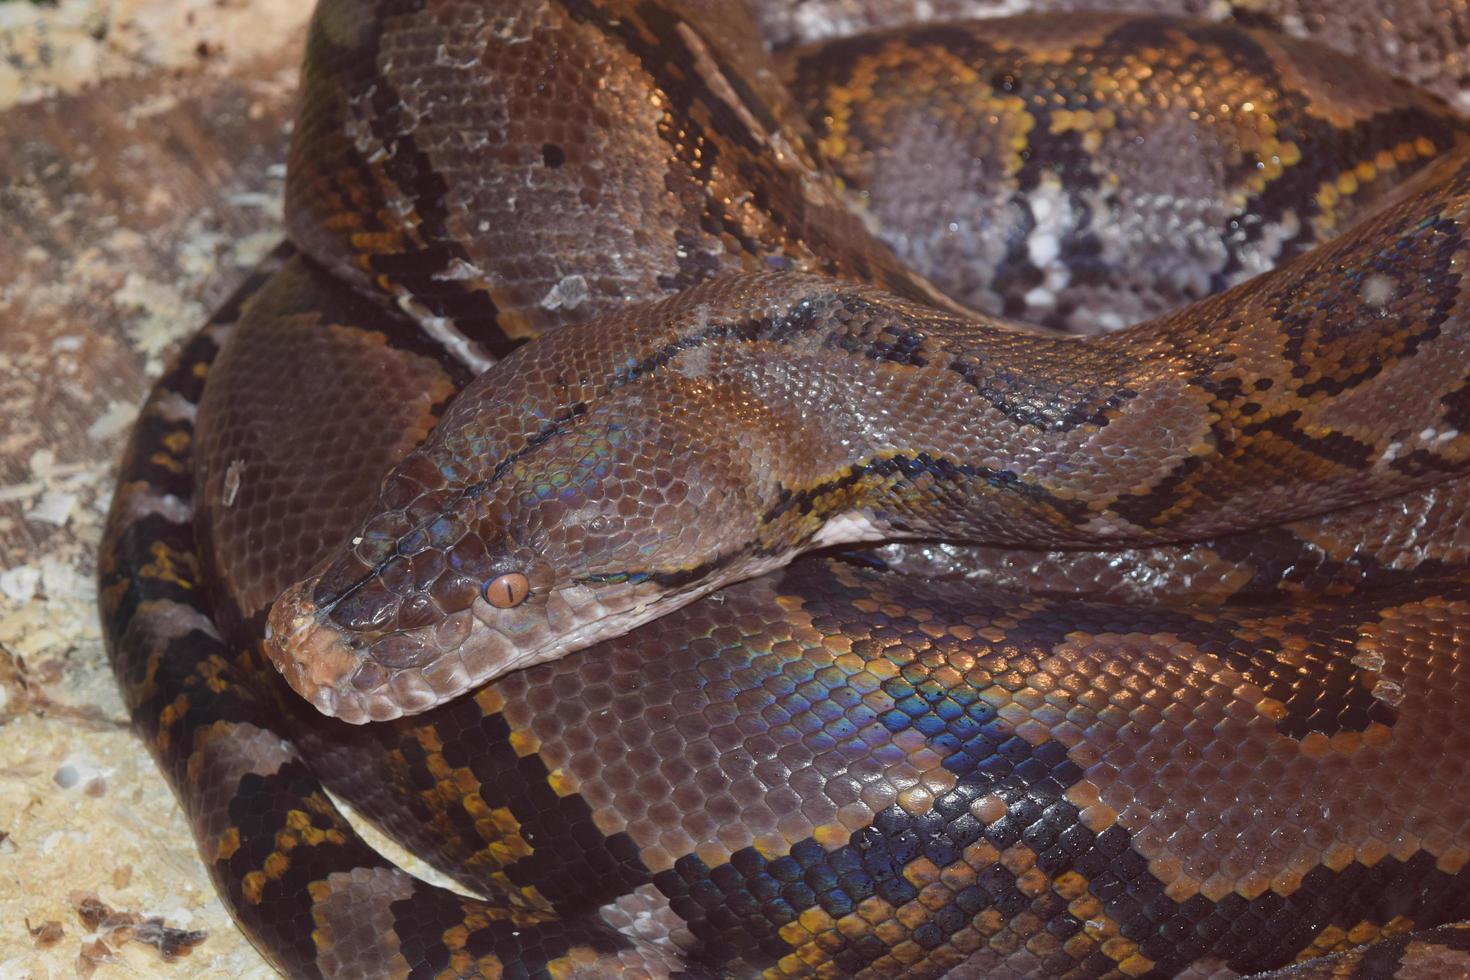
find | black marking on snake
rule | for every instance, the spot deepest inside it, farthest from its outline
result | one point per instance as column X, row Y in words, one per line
column 896, row 343
column 1423, row 463
column 816, row 75
column 140, row 543
column 329, row 303
column 123, row 585
column 1283, row 568
column 610, row 863
column 257, row 810
column 536, row 945
column 1271, row 931
column 321, row 48
column 1047, row 152
column 650, row 34
column 989, row 759
column 420, row 272
column 1053, row 414
column 1334, row 447
column 605, row 867
column 668, row 578
column 800, row 319
column 1295, row 190
column 1457, row 406
column 909, row 469
column 1342, row 700
column 1382, row 959
column 1424, row 253
column 738, row 908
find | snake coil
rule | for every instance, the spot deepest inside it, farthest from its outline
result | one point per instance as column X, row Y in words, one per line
column 1169, row 678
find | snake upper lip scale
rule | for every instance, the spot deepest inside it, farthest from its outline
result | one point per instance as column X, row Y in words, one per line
column 1028, row 655
column 341, row 677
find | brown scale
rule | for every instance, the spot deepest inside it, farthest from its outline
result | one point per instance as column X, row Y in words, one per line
column 1251, row 149
column 434, row 149
column 1418, row 40
column 655, row 747
column 425, row 644
column 685, row 797
column 1336, row 554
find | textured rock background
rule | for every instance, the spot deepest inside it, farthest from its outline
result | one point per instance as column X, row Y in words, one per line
column 141, row 156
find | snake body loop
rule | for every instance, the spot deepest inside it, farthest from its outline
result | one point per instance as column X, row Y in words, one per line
column 597, row 316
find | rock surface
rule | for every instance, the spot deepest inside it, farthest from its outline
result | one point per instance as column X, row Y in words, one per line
column 143, row 145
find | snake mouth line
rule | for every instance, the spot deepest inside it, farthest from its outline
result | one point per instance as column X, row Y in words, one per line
column 340, row 676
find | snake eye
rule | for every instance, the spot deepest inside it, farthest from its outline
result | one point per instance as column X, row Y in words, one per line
column 507, row 591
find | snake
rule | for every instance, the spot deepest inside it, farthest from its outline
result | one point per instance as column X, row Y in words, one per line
column 971, row 498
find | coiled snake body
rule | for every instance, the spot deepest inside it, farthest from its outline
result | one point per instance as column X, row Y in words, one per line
column 1175, row 683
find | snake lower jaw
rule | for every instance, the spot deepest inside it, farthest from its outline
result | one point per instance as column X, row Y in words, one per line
column 339, row 674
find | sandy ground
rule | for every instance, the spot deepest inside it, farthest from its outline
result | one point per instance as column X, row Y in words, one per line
column 142, row 161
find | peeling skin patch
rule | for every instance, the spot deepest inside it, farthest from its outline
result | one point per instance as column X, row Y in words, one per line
column 113, row 928
column 1377, row 289
column 231, row 488
column 395, row 854
column 570, row 293
column 443, row 330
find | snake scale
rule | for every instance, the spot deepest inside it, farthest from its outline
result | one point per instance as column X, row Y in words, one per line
column 1170, row 679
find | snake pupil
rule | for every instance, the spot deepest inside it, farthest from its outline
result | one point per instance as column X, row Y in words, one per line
column 508, row 591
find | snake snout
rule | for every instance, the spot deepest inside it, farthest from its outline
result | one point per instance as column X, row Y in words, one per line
column 372, row 642
column 360, row 676
column 314, row 659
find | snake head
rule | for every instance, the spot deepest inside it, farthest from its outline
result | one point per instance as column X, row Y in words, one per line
column 489, row 552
